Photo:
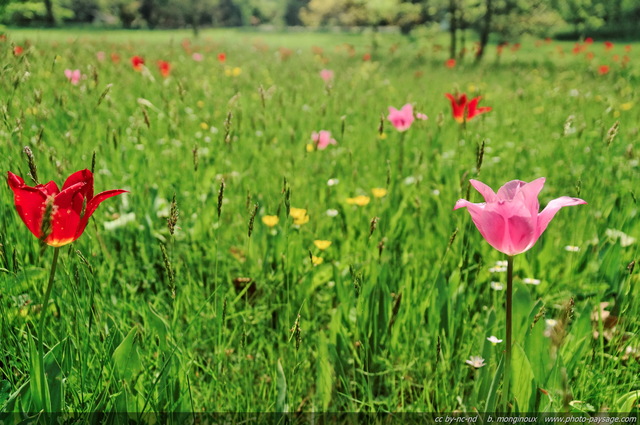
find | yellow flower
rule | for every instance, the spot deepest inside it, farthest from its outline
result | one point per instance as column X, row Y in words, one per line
column 360, row 201
column 228, row 72
column 297, row 212
column 616, row 114
column 382, row 136
column 316, row 260
column 270, row 220
column 301, row 220
column 200, row 104
column 626, row 106
column 309, row 147
column 236, row 71
column 322, row 245
column 204, row 126
column 379, row 192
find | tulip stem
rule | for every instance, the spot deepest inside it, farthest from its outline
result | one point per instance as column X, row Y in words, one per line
column 43, row 317
column 509, row 304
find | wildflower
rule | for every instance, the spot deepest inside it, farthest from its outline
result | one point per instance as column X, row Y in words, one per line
column 572, row 248
column 531, row 281
column 164, row 67
column 197, row 57
column 58, row 217
column 332, row 212
column 270, row 220
column 322, row 244
column 332, row 182
column 608, row 45
column 115, row 58
column 492, row 339
column 323, row 139
column 366, row 57
column 301, row 220
column 509, row 220
column 459, row 105
column 475, row 361
column 421, row 116
column 401, row 119
column 497, row 286
column 137, row 62
column 101, row 56
column 17, row 50
column 299, row 215
column 603, row 69
column 222, row 57
column 360, row 200
column 379, row 192
column 73, row 76
column 450, row 63
column 326, row 75
column 588, row 40
column 316, row 261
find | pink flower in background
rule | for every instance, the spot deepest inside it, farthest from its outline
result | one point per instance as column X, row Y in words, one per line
column 323, row 139
column 101, row 56
column 509, row 220
column 421, row 116
column 401, row 119
column 326, row 75
column 73, row 76
column 197, row 57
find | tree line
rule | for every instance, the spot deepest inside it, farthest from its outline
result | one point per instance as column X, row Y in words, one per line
column 505, row 19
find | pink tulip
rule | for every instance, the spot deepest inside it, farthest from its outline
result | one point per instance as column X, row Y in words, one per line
column 73, row 76
column 509, row 220
column 401, row 119
column 326, row 75
column 323, row 139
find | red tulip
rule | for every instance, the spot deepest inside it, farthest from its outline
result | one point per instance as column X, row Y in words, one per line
column 608, row 45
column 460, row 104
column 603, row 69
column 165, row 68
column 222, row 57
column 69, row 208
column 137, row 63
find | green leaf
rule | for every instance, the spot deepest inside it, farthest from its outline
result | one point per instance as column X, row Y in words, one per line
column 522, row 378
column 490, row 406
column 281, row 385
column 627, row 402
column 125, row 357
column 159, row 325
column 38, row 386
column 325, row 372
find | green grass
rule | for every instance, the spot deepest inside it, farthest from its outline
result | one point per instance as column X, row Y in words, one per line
column 390, row 316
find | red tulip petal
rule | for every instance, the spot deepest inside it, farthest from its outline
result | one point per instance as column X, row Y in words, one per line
column 93, row 204
column 50, row 189
column 65, row 222
column 82, row 176
column 29, row 203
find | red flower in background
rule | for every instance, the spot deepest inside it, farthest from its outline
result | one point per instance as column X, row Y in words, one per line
column 165, row 68
column 588, row 40
column 450, row 63
column 17, row 50
column 137, row 63
column 115, row 58
column 68, row 210
column 459, row 105
column 608, row 45
column 366, row 57
column 603, row 69
column 222, row 57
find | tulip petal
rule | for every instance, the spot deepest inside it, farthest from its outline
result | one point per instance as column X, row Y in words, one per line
column 82, row 176
column 50, row 189
column 529, row 193
column 508, row 191
column 552, row 208
column 64, row 225
column 93, row 204
column 521, row 234
column 29, row 202
column 487, row 193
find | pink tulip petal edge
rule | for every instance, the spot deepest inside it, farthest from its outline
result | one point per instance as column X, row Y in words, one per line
column 509, row 220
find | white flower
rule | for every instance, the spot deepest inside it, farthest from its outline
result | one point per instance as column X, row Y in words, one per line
column 572, row 248
column 497, row 269
column 332, row 212
column 475, row 361
column 492, row 339
column 497, row 286
column 332, row 182
column 531, row 281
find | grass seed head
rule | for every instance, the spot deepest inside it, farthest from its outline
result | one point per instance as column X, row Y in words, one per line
column 173, row 215
column 33, row 170
column 220, row 197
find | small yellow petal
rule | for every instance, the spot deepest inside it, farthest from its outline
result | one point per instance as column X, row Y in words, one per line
column 309, row 147
column 200, row 104
column 270, row 220
column 297, row 212
column 301, row 220
column 204, row 126
column 317, row 260
column 379, row 192
column 322, row 244
column 626, row 106
column 360, row 201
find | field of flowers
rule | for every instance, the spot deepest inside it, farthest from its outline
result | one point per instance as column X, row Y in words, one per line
column 287, row 241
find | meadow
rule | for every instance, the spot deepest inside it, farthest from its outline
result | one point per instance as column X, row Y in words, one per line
column 205, row 288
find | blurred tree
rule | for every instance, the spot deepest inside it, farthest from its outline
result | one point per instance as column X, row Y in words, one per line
column 84, row 10
column 584, row 15
column 292, row 11
column 29, row 12
column 227, row 14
